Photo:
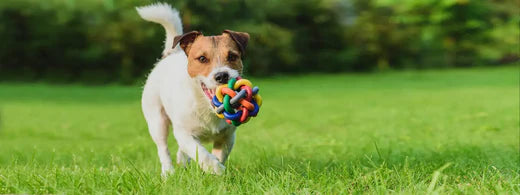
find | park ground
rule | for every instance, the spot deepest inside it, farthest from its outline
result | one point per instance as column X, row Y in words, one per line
column 432, row 131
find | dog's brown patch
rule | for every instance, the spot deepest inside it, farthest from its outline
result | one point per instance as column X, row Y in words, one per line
column 206, row 52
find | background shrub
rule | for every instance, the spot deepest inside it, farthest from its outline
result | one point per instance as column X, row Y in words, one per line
column 106, row 41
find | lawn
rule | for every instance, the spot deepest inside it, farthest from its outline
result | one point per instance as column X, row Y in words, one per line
column 435, row 131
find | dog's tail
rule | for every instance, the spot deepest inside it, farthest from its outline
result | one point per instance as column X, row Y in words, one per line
column 168, row 17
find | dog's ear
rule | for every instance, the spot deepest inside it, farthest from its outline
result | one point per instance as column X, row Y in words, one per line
column 186, row 40
column 240, row 38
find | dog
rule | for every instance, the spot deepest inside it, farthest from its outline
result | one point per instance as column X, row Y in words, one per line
column 179, row 89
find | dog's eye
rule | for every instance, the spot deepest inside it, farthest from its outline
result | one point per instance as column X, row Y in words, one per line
column 202, row 59
column 232, row 57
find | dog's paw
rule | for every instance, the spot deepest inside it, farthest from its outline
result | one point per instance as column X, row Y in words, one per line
column 219, row 169
column 167, row 170
column 213, row 166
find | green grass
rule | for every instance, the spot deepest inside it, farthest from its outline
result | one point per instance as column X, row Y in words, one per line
column 442, row 131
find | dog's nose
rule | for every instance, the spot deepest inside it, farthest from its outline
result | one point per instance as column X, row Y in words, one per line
column 222, row 77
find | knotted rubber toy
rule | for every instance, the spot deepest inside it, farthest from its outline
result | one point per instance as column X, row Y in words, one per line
column 237, row 101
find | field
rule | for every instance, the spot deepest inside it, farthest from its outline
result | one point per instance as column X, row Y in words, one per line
column 435, row 131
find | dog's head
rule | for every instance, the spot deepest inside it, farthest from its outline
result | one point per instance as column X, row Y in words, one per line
column 213, row 60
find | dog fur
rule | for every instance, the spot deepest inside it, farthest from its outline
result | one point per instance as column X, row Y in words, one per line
column 178, row 90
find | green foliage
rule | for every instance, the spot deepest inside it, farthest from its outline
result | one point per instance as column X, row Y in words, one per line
column 434, row 33
column 105, row 41
column 396, row 132
column 65, row 41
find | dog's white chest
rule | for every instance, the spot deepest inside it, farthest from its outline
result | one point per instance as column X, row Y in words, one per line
column 205, row 124
column 187, row 106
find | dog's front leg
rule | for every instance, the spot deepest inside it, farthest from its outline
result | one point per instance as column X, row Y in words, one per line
column 195, row 150
column 222, row 147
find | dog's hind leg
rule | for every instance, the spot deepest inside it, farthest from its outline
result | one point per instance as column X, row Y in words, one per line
column 158, row 124
column 182, row 158
column 222, row 147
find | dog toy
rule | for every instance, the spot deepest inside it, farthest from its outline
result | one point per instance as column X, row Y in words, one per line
column 237, row 101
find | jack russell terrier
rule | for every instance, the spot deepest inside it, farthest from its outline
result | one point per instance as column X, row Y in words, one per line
column 179, row 89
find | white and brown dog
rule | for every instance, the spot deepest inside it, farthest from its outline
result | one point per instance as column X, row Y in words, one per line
column 179, row 89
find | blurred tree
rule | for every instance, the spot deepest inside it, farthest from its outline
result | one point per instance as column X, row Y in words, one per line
column 106, row 41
